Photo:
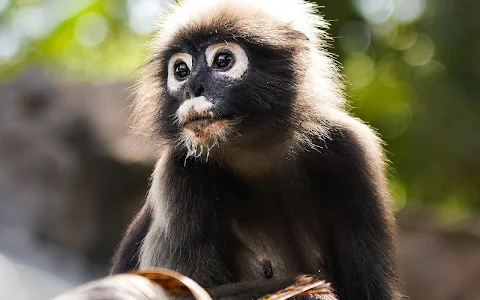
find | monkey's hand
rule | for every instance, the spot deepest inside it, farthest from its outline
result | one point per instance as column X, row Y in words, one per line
column 304, row 287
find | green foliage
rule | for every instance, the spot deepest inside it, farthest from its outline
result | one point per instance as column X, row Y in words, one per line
column 417, row 82
column 91, row 41
column 412, row 66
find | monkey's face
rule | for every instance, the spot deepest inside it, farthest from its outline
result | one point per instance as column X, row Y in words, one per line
column 242, row 76
column 226, row 95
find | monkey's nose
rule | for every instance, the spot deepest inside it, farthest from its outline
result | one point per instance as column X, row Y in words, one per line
column 195, row 92
column 199, row 90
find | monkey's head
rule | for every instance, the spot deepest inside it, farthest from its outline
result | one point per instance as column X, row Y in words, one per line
column 228, row 75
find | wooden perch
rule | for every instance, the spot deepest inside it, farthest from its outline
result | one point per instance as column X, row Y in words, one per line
column 119, row 287
column 161, row 284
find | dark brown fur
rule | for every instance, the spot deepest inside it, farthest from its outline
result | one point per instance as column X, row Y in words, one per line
column 297, row 184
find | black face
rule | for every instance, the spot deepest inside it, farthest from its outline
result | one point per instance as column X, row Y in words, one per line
column 224, row 90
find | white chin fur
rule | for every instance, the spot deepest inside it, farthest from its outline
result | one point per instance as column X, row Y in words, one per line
column 195, row 148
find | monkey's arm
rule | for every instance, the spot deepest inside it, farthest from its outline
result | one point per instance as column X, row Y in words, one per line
column 362, row 253
column 126, row 255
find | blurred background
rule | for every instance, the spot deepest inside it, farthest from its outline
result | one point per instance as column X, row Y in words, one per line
column 71, row 177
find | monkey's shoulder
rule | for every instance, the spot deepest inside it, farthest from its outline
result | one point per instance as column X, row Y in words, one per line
column 347, row 141
column 347, row 164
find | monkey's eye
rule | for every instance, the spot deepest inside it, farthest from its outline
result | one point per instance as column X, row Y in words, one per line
column 223, row 60
column 181, row 70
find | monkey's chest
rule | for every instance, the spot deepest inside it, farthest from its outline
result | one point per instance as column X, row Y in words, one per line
column 275, row 252
column 276, row 232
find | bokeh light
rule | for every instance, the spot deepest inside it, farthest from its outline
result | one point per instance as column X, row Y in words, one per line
column 388, row 71
column 375, row 11
column 142, row 15
column 91, row 29
column 402, row 11
column 421, row 52
column 355, row 37
column 407, row 11
column 360, row 70
column 403, row 40
column 4, row 5
column 31, row 22
column 10, row 43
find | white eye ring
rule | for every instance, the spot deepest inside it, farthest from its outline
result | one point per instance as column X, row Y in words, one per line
column 240, row 64
column 172, row 82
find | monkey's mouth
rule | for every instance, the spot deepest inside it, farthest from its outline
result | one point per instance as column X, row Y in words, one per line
column 200, row 121
column 205, row 128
